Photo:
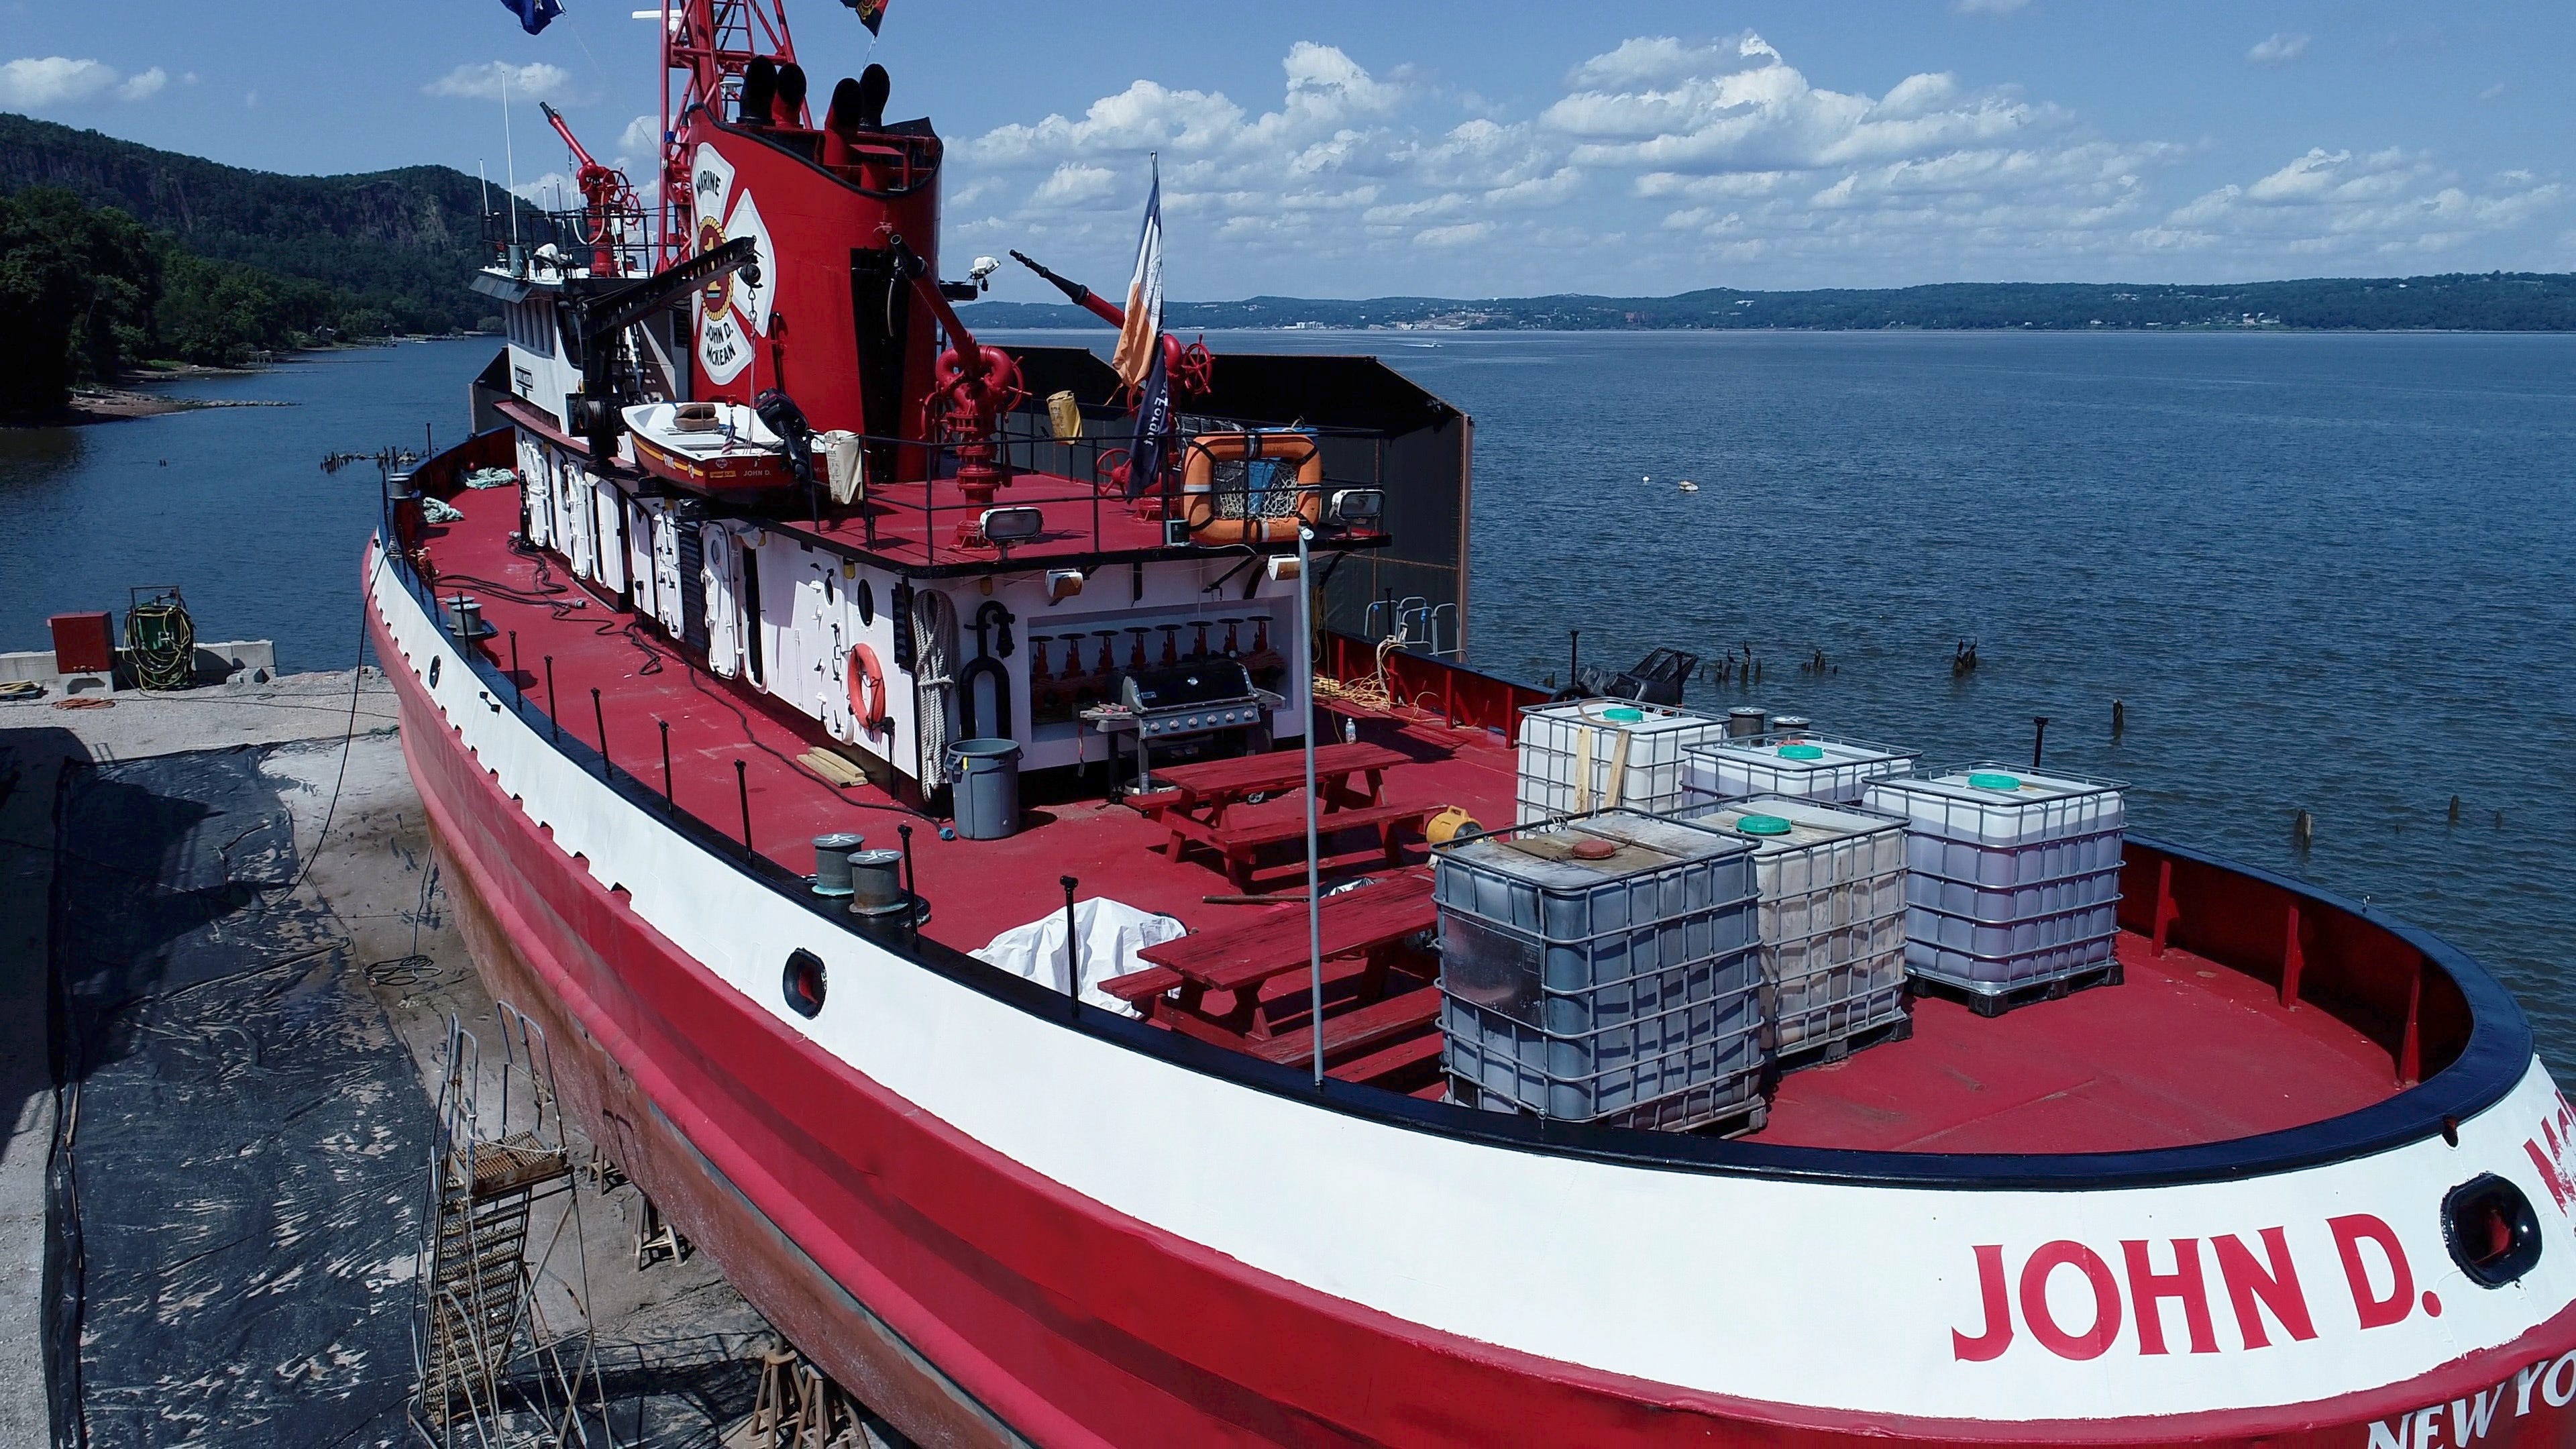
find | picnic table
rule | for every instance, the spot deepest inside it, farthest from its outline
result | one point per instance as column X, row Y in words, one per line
column 1372, row 921
column 1196, row 800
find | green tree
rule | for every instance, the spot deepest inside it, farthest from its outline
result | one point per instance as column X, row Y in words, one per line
column 78, row 290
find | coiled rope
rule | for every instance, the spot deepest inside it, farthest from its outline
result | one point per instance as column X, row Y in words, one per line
column 1372, row 692
column 161, row 644
column 934, row 632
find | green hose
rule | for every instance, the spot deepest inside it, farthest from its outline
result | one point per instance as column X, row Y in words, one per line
column 161, row 644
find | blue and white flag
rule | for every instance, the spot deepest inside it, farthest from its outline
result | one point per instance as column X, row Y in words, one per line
column 534, row 15
column 1151, row 448
column 1140, row 340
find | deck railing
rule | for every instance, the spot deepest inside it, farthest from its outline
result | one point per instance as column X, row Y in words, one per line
column 916, row 517
column 1465, row 698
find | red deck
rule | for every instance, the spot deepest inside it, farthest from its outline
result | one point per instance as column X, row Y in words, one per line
column 917, row 523
column 2185, row 1051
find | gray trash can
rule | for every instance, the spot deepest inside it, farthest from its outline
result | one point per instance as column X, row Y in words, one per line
column 987, row 794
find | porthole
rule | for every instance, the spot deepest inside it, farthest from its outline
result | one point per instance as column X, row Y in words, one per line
column 867, row 604
column 803, row 982
column 433, row 671
column 2491, row 1230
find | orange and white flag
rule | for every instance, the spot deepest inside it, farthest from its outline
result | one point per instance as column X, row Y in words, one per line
column 1140, row 340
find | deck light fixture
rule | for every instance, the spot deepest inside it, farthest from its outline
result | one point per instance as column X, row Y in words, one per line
column 1358, row 507
column 1003, row 527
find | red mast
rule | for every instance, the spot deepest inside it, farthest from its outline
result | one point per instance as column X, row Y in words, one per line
column 705, row 45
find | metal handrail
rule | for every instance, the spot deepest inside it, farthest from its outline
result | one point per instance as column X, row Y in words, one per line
column 1020, row 434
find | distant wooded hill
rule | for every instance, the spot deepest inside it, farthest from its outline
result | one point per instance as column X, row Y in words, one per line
column 401, row 244
column 2486, row 301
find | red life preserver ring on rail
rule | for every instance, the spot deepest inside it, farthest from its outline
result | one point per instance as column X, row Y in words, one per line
column 868, row 691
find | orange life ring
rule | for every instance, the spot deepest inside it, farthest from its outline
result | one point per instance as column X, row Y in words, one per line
column 1198, row 484
column 868, row 691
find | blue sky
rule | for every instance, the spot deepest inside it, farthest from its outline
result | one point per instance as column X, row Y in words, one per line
column 1330, row 148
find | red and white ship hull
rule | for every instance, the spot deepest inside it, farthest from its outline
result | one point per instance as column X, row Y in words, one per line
column 993, row 1228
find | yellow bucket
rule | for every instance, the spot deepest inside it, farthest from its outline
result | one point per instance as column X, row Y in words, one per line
column 1065, row 415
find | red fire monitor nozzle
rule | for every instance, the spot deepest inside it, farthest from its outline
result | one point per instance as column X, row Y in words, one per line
column 971, row 385
column 606, row 195
column 1190, row 366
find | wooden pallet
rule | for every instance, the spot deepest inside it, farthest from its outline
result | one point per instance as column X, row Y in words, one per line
column 1737, row 1120
column 1839, row 1047
column 1996, row 1003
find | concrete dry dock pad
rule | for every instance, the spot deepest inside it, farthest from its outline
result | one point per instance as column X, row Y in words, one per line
column 231, row 1249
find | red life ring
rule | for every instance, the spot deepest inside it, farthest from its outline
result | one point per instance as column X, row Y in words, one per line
column 868, row 691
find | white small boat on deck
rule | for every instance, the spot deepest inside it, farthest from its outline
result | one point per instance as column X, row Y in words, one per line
column 718, row 445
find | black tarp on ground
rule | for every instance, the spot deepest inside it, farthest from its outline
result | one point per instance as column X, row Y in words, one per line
column 237, row 1213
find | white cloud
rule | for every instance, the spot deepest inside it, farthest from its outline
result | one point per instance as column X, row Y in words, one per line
column 34, row 83
column 1987, row 7
column 642, row 139
column 2383, row 203
column 2493, row 91
column 1648, row 60
column 535, row 81
column 552, row 191
column 1454, row 236
column 1759, row 113
column 2278, row 48
column 1074, row 184
column 1667, row 162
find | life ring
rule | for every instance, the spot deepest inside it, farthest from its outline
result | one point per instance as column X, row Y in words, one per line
column 868, row 691
column 1198, row 484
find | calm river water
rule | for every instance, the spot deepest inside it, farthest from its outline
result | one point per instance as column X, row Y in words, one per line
column 2321, row 572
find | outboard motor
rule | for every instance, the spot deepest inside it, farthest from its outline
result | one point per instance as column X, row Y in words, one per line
column 782, row 416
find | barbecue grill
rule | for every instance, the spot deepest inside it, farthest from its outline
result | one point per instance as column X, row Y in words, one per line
column 1191, row 699
column 1182, row 702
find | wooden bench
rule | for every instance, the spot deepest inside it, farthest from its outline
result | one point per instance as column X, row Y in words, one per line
column 1250, row 952
column 1372, row 921
column 1196, row 799
column 1364, row 1026
column 1386, row 1061
column 1239, row 843
column 1140, row 989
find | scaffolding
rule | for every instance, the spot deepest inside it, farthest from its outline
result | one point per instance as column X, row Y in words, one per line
column 492, row 1370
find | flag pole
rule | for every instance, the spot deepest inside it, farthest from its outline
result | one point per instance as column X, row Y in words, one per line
column 1314, row 861
column 510, row 164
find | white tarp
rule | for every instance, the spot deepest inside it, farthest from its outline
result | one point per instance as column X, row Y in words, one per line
column 1112, row 933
